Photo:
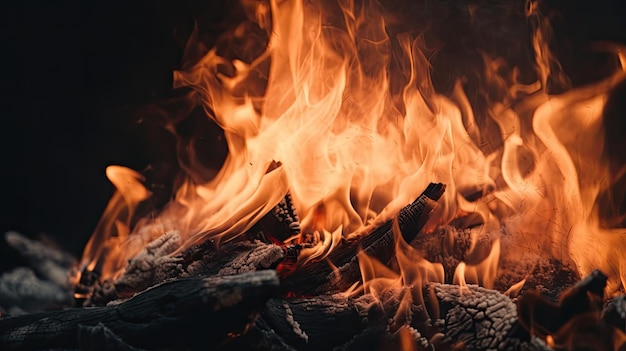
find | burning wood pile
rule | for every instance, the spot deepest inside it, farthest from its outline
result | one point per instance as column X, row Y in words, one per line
column 392, row 221
column 248, row 294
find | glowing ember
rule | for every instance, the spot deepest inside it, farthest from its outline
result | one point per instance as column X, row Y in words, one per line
column 359, row 130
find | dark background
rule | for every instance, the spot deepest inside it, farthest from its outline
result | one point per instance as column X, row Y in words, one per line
column 73, row 73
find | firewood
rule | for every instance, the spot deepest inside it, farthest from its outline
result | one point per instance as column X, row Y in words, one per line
column 174, row 315
column 317, row 277
column 471, row 316
column 155, row 264
column 576, row 321
column 545, row 317
column 191, row 313
column 479, row 319
column 450, row 246
column 281, row 223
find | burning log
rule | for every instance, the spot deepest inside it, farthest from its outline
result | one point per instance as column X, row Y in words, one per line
column 155, row 264
column 319, row 277
column 279, row 224
column 173, row 315
column 477, row 318
column 473, row 317
column 451, row 245
column 577, row 321
column 463, row 317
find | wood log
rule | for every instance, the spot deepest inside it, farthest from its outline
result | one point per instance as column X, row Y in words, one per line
column 317, row 323
column 281, row 223
column 318, row 277
column 576, row 321
column 192, row 313
column 175, row 315
column 462, row 317
column 472, row 317
column 155, row 264
column 450, row 245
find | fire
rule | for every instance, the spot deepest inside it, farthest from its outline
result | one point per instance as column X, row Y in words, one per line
column 352, row 115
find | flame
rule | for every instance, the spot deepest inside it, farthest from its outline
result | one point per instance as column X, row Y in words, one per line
column 359, row 129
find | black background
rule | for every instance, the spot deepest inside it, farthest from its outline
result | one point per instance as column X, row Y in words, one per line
column 71, row 70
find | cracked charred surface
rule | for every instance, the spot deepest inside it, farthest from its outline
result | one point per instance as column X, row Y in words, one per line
column 478, row 318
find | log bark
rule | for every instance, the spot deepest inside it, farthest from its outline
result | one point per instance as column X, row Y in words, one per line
column 319, row 277
column 193, row 313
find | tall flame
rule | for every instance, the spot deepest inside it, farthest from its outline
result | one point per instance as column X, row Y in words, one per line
column 353, row 117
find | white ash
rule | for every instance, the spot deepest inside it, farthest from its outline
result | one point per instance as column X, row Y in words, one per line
column 294, row 324
column 22, row 291
column 260, row 257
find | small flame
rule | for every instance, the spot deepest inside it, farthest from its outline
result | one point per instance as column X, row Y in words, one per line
column 111, row 237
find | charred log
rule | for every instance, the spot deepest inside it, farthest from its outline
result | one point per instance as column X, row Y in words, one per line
column 545, row 317
column 281, row 223
column 319, row 277
column 478, row 319
column 174, row 315
column 451, row 245
column 469, row 317
column 576, row 321
column 156, row 264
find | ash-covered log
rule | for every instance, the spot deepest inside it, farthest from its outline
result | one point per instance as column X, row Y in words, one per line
column 192, row 313
column 155, row 264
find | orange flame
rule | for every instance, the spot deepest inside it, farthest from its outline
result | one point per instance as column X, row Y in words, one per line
column 353, row 116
